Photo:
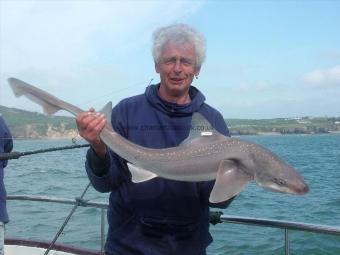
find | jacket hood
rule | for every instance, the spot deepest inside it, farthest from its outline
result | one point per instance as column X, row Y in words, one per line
column 173, row 109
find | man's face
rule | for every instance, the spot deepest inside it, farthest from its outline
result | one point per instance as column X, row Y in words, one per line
column 177, row 67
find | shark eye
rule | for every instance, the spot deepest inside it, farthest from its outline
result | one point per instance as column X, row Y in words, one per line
column 279, row 181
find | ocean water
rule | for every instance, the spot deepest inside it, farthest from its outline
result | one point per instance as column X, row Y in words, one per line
column 62, row 174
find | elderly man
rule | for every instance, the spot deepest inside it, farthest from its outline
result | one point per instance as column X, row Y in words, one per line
column 158, row 216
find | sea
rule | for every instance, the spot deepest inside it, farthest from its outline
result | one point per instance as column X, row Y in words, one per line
column 61, row 174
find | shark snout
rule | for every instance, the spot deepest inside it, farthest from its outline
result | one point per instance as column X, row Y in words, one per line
column 302, row 189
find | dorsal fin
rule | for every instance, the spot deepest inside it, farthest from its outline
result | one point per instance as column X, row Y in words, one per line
column 107, row 110
column 200, row 127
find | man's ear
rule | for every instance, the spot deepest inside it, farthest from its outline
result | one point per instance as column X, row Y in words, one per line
column 156, row 67
column 197, row 72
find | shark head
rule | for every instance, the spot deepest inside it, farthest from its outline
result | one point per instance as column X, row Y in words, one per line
column 274, row 174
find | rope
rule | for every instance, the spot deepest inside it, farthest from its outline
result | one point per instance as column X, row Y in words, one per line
column 16, row 154
column 79, row 202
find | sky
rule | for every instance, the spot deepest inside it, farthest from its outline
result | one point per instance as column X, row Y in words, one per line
column 265, row 59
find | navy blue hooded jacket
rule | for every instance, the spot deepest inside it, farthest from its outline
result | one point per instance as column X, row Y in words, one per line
column 158, row 216
column 6, row 145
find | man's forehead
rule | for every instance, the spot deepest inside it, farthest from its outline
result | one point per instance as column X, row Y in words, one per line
column 171, row 47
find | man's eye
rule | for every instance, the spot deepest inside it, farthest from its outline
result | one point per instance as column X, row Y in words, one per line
column 187, row 62
column 169, row 61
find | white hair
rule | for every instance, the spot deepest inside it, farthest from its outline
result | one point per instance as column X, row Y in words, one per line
column 179, row 34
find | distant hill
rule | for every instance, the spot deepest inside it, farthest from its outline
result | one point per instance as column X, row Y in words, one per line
column 298, row 125
column 25, row 124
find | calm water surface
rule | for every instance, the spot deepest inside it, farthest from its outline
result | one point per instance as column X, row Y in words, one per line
column 62, row 174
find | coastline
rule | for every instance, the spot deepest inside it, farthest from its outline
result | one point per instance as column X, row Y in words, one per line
column 79, row 138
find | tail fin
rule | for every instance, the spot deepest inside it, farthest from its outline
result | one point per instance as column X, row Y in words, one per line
column 21, row 88
column 48, row 102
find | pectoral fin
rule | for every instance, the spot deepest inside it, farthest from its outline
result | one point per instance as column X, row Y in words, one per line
column 229, row 181
column 140, row 174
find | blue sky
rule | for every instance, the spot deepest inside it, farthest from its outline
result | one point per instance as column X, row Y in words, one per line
column 265, row 59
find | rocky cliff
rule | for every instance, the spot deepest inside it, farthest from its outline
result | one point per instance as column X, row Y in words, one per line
column 25, row 124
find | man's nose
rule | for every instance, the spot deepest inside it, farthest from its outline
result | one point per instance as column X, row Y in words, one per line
column 178, row 66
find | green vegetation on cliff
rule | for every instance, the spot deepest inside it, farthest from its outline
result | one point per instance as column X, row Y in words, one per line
column 27, row 124
column 303, row 125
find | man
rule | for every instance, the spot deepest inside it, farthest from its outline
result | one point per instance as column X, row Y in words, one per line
column 158, row 216
column 6, row 145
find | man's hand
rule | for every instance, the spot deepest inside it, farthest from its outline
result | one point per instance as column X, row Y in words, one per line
column 90, row 124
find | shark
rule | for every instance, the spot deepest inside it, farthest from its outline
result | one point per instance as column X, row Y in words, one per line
column 204, row 155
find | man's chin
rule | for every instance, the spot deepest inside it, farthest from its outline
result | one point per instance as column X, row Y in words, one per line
column 177, row 84
column 178, row 88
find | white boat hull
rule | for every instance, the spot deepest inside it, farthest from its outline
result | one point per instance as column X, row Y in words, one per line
column 18, row 246
column 25, row 250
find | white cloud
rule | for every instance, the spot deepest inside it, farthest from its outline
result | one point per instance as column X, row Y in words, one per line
column 49, row 34
column 55, row 43
column 323, row 77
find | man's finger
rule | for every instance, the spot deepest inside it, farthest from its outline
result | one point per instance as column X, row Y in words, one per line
column 95, row 122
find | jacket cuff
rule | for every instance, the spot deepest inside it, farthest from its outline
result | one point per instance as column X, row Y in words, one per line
column 99, row 166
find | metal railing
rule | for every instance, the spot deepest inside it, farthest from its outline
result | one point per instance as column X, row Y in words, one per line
column 218, row 217
column 75, row 202
column 215, row 217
